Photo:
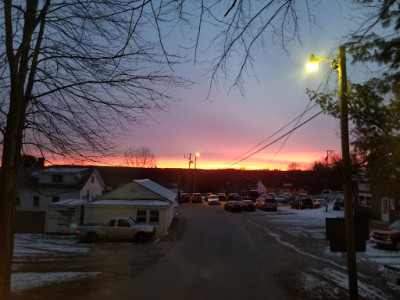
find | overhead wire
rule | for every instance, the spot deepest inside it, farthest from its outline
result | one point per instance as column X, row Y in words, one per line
column 242, row 157
column 279, row 138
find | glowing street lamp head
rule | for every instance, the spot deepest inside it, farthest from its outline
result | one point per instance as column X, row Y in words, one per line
column 312, row 65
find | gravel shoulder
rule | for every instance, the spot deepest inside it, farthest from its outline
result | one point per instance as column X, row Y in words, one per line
column 110, row 262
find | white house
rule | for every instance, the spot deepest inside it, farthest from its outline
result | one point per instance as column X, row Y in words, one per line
column 37, row 188
column 143, row 200
column 44, row 186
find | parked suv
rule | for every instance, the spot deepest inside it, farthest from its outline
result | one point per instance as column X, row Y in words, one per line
column 267, row 203
column 389, row 237
column 196, row 198
column 302, row 203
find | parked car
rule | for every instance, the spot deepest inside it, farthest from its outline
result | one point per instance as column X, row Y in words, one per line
column 221, row 196
column 266, row 203
column 316, row 203
column 282, row 199
column 301, row 203
column 184, row 198
column 389, row 237
column 253, row 194
column 322, row 201
column 338, row 204
column 234, row 196
column 196, row 198
column 233, row 205
column 117, row 228
column 248, row 205
column 213, row 200
column 207, row 195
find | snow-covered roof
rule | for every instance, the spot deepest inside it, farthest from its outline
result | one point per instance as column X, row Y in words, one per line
column 69, row 202
column 142, row 203
column 64, row 170
column 156, row 188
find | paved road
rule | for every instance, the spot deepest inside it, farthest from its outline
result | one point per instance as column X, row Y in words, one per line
column 219, row 257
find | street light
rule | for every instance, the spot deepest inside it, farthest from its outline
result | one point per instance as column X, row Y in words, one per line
column 340, row 65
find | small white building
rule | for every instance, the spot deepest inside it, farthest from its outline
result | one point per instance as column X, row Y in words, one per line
column 63, row 217
column 143, row 200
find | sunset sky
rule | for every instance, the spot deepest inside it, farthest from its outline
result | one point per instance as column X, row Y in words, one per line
column 231, row 126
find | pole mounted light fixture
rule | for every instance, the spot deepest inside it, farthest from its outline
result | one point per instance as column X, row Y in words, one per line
column 313, row 64
column 340, row 66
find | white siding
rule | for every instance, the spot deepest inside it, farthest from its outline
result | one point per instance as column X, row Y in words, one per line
column 99, row 214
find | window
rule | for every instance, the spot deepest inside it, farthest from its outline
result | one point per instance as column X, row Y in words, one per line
column 111, row 223
column 365, row 200
column 57, row 178
column 154, row 216
column 55, row 199
column 123, row 223
column 141, row 216
column 35, row 201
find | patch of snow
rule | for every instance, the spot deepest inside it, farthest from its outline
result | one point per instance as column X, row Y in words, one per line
column 29, row 280
column 364, row 290
column 302, row 223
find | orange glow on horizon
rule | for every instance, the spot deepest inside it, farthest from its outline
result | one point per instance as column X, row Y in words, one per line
column 302, row 161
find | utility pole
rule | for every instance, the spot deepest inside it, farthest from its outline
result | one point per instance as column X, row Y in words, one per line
column 328, row 152
column 347, row 191
column 340, row 65
column 189, row 157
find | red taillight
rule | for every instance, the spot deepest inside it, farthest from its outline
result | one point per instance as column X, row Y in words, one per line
column 77, row 231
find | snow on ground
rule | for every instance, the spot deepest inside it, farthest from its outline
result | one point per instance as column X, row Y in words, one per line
column 29, row 280
column 301, row 225
column 41, row 247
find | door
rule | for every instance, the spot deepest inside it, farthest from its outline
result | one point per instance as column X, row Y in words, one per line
column 385, row 209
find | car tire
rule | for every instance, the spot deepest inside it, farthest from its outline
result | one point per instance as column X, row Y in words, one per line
column 140, row 237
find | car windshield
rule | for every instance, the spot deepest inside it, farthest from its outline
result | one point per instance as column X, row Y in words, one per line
column 395, row 225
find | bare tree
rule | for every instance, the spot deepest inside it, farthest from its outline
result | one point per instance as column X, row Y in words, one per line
column 293, row 166
column 140, row 158
column 73, row 71
column 243, row 28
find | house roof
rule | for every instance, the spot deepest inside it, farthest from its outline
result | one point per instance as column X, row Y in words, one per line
column 143, row 203
column 143, row 189
column 69, row 202
column 159, row 189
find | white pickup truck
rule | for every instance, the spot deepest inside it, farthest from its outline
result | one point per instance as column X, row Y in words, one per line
column 117, row 228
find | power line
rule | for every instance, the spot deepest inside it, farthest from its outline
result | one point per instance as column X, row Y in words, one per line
column 297, row 119
column 272, row 135
column 279, row 138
